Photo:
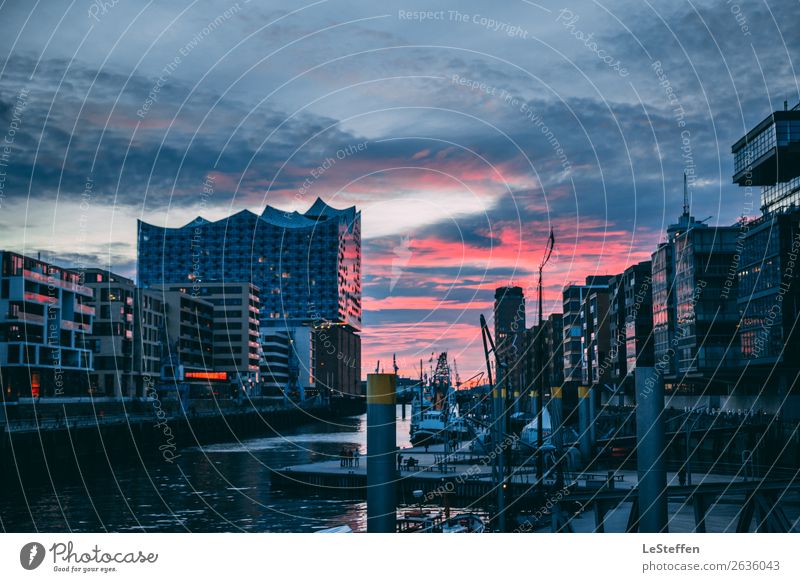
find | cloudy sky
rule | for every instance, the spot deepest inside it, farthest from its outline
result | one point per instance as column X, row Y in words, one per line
column 463, row 133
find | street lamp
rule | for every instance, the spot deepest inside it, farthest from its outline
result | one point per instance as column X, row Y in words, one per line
column 551, row 241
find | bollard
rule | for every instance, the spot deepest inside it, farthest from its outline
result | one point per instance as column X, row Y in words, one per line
column 381, row 453
column 584, row 421
column 650, row 450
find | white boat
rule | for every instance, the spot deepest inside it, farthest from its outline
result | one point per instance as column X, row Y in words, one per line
column 433, row 428
column 337, row 529
column 530, row 432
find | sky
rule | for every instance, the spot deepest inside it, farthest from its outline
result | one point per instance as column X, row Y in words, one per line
column 464, row 131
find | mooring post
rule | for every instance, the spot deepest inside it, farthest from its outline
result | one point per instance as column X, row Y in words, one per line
column 381, row 453
column 650, row 450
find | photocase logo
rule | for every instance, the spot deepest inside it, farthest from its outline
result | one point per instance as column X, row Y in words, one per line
column 31, row 555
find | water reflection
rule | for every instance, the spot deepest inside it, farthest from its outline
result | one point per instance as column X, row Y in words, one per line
column 219, row 487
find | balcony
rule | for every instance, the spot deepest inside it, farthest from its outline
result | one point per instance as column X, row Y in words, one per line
column 27, row 317
column 39, row 298
column 84, row 309
column 75, row 326
column 56, row 282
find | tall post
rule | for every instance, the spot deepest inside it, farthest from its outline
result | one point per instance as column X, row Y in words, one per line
column 556, row 416
column 499, row 397
column 593, row 396
column 584, row 421
column 650, row 450
column 539, row 390
column 381, row 453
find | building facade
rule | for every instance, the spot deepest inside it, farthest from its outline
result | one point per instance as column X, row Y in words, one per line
column 707, row 317
column 236, row 342
column 638, row 290
column 586, row 336
column 768, row 294
column 509, row 337
column 596, row 324
column 187, row 351
column 112, row 337
column 306, row 266
column 45, row 318
column 149, row 335
column 554, row 350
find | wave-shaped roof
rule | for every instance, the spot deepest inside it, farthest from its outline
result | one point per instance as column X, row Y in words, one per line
column 318, row 212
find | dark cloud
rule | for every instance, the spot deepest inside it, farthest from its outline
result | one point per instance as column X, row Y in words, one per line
column 549, row 136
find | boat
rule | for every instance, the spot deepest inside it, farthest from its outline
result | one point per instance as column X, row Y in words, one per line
column 434, row 412
column 530, row 432
column 436, row 427
column 424, row 520
column 464, row 523
column 336, row 529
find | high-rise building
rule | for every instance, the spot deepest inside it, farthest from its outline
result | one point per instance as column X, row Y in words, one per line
column 552, row 339
column 631, row 317
column 706, row 318
column 596, row 323
column 638, row 282
column 580, row 341
column 554, row 349
column 509, row 334
column 112, row 337
column 45, row 317
column 769, row 156
column 617, row 355
column 769, row 297
column 149, row 333
column 187, row 353
column 694, row 306
column 768, row 247
column 236, row 342
column 306, row 266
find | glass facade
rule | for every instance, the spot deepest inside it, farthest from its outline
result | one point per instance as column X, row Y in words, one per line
column 706, row 317
column 307, row 266
column 663, row 308
column 768, row 297
column 758, row 146
column 769, row 154
column 781, row 196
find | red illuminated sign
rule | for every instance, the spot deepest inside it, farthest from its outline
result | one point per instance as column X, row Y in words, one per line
column 206, row 375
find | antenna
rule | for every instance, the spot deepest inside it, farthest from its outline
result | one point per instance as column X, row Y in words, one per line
column 685, row 196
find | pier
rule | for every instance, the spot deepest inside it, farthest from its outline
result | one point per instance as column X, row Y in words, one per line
column 598, row 501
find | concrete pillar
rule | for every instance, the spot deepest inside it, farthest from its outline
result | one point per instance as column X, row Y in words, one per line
column 381, row 453
column 584, row 422
column 650, row 450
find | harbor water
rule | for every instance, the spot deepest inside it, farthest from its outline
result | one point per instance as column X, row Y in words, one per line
column 218, row 487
